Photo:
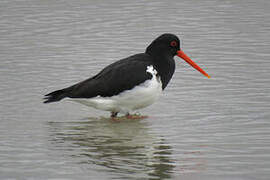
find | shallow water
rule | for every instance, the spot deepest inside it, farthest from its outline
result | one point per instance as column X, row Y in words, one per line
column 203, row 128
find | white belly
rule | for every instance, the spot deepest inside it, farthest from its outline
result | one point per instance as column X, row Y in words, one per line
column 139, row 97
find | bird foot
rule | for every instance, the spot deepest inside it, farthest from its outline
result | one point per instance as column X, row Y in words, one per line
column 135, row 116
column 114, row 117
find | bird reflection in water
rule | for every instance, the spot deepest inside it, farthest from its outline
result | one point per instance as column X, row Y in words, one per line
column 126, row 149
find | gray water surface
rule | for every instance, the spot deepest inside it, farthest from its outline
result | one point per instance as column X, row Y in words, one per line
column 201, row 128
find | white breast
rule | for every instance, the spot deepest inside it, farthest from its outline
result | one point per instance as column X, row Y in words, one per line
column 139, row 97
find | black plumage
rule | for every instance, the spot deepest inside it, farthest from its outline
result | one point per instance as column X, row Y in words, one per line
column 127, row 73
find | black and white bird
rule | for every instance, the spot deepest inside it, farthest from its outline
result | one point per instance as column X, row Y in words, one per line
column 131, row 83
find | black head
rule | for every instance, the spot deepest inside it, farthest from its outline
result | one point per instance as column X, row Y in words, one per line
column 165, row 45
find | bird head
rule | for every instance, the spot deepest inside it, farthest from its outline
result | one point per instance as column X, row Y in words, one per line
column 168, row 45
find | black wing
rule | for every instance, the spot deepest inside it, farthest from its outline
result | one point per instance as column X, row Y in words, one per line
column 112, row 80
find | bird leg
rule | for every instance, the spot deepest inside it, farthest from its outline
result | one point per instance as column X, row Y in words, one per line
column 114, row 114
column 135, row 116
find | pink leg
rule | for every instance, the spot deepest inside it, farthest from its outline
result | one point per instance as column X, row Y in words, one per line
column 129, row 116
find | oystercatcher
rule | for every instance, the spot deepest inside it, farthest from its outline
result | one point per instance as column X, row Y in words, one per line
column 131, row 83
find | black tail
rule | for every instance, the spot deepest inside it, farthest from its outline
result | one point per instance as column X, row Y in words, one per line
column 55, row 96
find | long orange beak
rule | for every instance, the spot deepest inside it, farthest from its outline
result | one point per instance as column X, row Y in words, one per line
column 182, row 55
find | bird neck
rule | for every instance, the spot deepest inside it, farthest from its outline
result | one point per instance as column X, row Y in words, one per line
column 165, row 66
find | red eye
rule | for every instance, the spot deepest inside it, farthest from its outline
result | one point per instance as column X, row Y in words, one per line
column 173, row 43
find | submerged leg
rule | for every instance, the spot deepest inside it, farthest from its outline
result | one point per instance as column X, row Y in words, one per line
column 135, row 116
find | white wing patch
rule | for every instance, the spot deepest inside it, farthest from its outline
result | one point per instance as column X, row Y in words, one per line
column 151, row 70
